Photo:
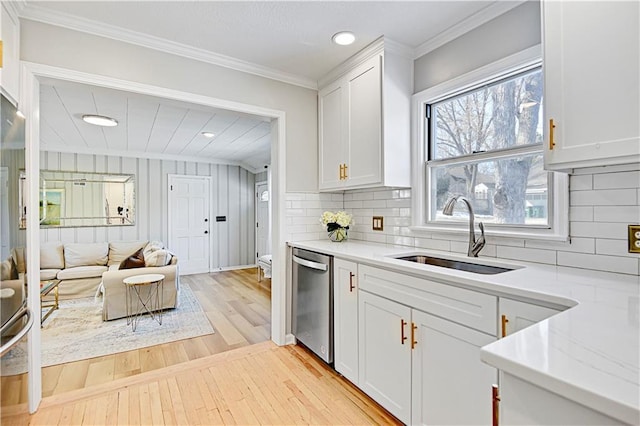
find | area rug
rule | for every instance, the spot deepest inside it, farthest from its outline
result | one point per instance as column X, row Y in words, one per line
column 76, row 331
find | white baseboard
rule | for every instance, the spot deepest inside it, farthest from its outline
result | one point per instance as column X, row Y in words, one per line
column 289, row 339
column 233, row 268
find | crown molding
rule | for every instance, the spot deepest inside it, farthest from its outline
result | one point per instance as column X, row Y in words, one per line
column 144, row 155
column 376, row 47
column 14, row 7
column 48, row 16
column 483, row 16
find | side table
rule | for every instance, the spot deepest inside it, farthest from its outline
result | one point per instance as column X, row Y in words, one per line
column 45, row 288
column 146, row 293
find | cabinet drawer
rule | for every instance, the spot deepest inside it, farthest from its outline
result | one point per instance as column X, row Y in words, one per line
column 467, row 307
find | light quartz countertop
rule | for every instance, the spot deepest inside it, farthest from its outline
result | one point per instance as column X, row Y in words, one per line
column 588, row 353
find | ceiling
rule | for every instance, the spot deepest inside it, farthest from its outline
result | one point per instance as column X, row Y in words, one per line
column 149, row 127
column 285, row 40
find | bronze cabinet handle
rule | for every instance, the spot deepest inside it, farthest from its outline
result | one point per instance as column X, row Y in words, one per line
column 413, row 335
column 552, row 127
column 503, row 325
column 402, row 336
column 351, row 286
column 495, row 405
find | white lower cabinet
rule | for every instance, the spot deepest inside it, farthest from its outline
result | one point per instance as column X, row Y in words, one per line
column 523, row 403
column 450, row 384
column 422, row 368
column 385, row 353
column 345, row 308
column 515, row 315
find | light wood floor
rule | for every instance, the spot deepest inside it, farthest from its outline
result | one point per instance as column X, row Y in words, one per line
column 259, row 384
column 238, row 307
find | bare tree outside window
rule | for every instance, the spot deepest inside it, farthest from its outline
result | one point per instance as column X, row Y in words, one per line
column 492, row 123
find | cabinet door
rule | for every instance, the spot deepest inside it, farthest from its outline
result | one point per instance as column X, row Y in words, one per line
column 592, row 82
column 385, row 357
column 345, row 310
column 331, row 137
column 516, row 315
column 450, row 384
column 365, row 124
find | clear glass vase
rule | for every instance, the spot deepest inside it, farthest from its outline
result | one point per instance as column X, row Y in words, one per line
column 338, row 235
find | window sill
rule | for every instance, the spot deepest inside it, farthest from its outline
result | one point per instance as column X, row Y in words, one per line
column 463, row 229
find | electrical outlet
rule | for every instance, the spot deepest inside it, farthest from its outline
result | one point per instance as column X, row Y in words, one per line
column 634, row 238
column 377, row 224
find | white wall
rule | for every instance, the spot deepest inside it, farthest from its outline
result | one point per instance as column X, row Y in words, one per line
column 232, row 196
column 512, row 32
column 60, row 47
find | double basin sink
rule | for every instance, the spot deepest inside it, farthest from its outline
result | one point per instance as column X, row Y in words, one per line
column 476, row 268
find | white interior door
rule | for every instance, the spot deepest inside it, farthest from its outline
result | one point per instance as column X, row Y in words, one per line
column 262, row 219
column 189, row 222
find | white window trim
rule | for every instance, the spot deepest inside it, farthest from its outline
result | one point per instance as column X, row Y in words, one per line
column 559, row 211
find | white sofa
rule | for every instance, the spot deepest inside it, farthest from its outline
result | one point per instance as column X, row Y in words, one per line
column 85, row 268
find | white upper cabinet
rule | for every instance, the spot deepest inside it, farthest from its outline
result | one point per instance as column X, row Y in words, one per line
column 592, row 83
column 10, row 34
column 364, row 121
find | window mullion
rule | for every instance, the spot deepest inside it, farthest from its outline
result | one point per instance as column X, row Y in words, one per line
column 488, row 155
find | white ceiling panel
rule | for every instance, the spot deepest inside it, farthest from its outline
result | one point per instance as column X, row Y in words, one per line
column 149, row 126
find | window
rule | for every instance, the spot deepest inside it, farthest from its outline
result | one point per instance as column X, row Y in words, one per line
column 482, row 137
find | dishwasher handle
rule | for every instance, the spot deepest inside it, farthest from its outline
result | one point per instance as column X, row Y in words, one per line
column 310, row 264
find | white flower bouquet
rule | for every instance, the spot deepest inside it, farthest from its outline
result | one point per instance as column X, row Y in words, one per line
column 336, row 224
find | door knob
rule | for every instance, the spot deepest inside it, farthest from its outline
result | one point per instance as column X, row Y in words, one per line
column 206, row 232
column 206, row 220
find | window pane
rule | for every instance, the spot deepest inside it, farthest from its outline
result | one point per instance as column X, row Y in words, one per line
column 508, row 190
column 497, row 116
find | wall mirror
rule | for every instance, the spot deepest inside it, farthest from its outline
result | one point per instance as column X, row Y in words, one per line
column 75, row 199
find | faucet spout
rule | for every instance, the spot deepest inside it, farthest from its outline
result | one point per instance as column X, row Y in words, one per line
column 474, row 245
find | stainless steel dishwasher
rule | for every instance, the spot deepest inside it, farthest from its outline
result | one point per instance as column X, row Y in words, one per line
column 313, row 302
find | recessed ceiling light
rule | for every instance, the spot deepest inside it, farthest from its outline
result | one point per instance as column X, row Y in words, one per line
column 208, row 134
column 343, row 38
column 100, row 120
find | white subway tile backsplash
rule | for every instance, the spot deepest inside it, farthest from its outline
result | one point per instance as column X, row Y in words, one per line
column 598, row 230
column 603, row 201
column 374, row 204
column 622, row 265
column 614, row 248
column 617, row 180
column 429, row 243
column 399, row 202
column 581, row 214
column 580, row 183
column 527, row 255
column 626, row 214
column 401, row 241
column 579, row 245
column 609, row 197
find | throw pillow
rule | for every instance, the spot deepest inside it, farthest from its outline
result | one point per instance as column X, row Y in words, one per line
column 158, row 258
column 13, row 273
column 136, row 260
column 5, row 270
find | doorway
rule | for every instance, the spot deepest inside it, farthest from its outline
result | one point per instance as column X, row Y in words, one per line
column 32, row 74
column 263, row 225
column 189, row 222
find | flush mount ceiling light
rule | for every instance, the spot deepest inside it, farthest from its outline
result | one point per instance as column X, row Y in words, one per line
column 100, row 120
column 207, row 134
column 343, row 38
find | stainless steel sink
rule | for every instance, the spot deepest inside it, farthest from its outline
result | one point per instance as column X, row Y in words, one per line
column 456, row 264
